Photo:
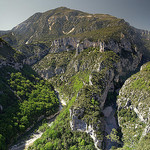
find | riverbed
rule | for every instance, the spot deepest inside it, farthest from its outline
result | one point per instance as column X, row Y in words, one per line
column 36, row 134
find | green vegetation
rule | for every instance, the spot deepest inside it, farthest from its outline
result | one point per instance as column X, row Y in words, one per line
column 75, row 87
column 131, row 127
column 24, row 98
column 79, row 66
column 113, row 136
column 141, row 81
column 88, row 100
column 137, row 91
column 127, row 115
column 106, row 33
column 144, row 143
column 55, row 60
column 60, row 135
column 75, row 83
column 2, row 142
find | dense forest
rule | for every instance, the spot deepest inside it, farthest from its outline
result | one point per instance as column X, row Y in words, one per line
column 24, row 98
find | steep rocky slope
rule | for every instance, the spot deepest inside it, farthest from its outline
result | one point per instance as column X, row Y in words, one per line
column 89, row 74
column 92, row 76
column 134, row 109
column 87, row 57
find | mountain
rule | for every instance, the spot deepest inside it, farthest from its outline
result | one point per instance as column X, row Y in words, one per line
column 40, row 30
column 43, row 31
column 88, row 58
column 60, row 22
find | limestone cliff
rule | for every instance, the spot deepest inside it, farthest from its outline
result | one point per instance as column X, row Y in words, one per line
column 87, row 57
column 133, row 107
column 130, row 56
column 106, row 65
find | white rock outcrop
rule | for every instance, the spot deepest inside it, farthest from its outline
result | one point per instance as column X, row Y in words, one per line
column 78, row 124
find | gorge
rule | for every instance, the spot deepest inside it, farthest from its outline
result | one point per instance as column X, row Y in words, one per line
column 94, row 61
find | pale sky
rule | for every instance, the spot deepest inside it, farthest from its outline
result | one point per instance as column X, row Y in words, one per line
column 136, row 12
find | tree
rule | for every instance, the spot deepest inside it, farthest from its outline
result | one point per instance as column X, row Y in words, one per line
column 113, row 136
column 2, row 142
column 48, row 146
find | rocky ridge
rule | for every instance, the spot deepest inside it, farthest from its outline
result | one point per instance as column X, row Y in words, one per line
column 110, row 80
column 130, row 55
column 87, row 57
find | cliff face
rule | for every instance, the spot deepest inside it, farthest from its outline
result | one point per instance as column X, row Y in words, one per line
column 129, row 52
column 133, row 107
column 104, row 65
column 104, row 76
column 34, row 52
column 145, row 34
column 100, row 69
column 87, row 57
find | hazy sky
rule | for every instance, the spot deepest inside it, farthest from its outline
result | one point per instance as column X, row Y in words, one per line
column 136, row 12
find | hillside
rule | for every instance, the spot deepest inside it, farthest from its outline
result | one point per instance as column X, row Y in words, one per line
column 133, row 110
column 88, row 58
column 24, row 96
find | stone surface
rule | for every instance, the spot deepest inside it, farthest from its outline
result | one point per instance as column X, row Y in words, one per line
column 78, row 124
column 134, row 99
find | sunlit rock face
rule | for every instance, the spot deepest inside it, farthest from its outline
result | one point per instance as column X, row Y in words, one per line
column 133, row 102
column 77, row 124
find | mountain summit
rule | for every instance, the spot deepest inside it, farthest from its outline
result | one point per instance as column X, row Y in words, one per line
column 90, row 60
column 63, row 22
